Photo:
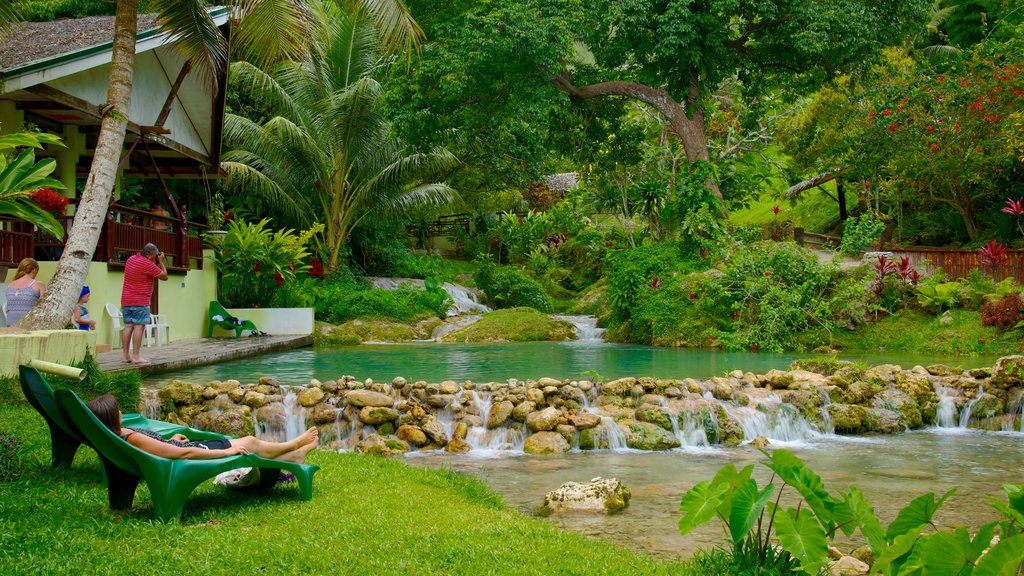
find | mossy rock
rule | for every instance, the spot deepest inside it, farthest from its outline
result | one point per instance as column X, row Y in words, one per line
column 585, row 440
column 729, row 432
column 654, row 415
column 825, row 366
column 848, row 419
column 647, row 436
column 359, row 331
column 514, row 325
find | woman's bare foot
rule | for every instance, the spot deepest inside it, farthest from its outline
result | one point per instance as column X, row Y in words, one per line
column 306, row 437
column 299, row 454
column 139, row 360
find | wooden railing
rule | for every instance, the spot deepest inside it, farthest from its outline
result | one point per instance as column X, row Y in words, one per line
column 815, row 240
column 958, row 263
column 124, row 233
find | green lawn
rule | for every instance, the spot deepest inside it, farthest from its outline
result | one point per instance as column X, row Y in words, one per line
column 368, row 516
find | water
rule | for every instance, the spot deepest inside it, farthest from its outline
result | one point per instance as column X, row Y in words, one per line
column 587, row 332
column 890, row 470
column 498, row 362
column 464, row 300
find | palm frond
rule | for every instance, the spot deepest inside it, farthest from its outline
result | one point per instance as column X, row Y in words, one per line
column 398, row 30
column 270, row 31
column 939, row 16
column 243, row 178
column 196, row 34
column 941, row 51
column 10, row 13
column 254, row 81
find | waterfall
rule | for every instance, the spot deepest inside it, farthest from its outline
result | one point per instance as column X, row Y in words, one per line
column 464, row 300
column 1016, row 410
column 770, row 418
column 692, row 432
column 291, row 425
column 149, row 403
column 945, row 413
column 965, row 416
column 587, row 331
column 826, row 418
column 613, row 434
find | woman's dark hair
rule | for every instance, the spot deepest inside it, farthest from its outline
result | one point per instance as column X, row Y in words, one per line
column 106, row 409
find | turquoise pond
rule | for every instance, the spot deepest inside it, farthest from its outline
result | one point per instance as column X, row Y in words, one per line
column 499, row 362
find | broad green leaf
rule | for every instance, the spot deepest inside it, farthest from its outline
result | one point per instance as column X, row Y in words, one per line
column 803, row 538
column 918, row 513
column 1015, row 497
column 1005, row 558
column 948, row 553
column 747, row 504
column 700, row 504
column 794, row 472
column 892, row 557
column 28, row 139
column 865, row 519
column 732, row 478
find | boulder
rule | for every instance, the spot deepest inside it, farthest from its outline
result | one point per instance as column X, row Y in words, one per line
column 522, row 410
column 722, row 388
column 376, row 415
column 254, row 399
column 434, row 430
column 376, row 445
column 602, row 496
column 412, row 434
column 448, row 387
column 499, row 414
column 362, row 398
column 535, row 395
column 458, row 446
column 223, row 387
column 545, row 382
column 1007, row 373
column 729, row 431
column 543, row 420
column 310, row 397
column 883, row 420
column 272, row 416
column 461, row 431
column 568, row 432
column 987, row 406
column 236, row 394
column 546, row 443
column 647, row 436
column 584, row 420
column 586, row 440
column 917, row 386
column 655, row 415
column 760, row 442
column 848, row 566
column 181, row 393
column 847, row 418
column 233, row 422
column 943, row 370
column 619, row 387
column 901, row 402
column 323, row 414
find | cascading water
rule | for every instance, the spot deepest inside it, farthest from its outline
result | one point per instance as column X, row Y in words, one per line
column 149, row 403
column 771, row 418
column 587, row 331
column 826, row 416
column 1016, row 412
column 452, row 325
column 613, row 435
column 965, row 416
column 691, row 433
column 464, row 301
column 945, row 413
column 291, row 424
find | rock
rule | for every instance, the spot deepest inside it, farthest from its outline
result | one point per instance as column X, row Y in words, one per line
column 586, row 440
column 181, row 393
column 412, row 434
column 604, row 496
column 847, row 418
column 987, row 406
column 223, row 387
column 440, row 400
column 546, row 443
column 722, row 388
column 272, row 416
column 584, row 420
column 310, row 397
column 619, row 387
column 236, row 394
column 458, row 446
column 362, row 398
column 729, row 431
column 779, row 379
column 882, row 373
column 980, row 373
column 461, row 431
column 543, row 420
column 544, row 382
column 943, row 370
column 375, row 415
column 1007, row 372
column 232, row 422
column 499, row 414
column 896, row 399
column 917, row 386
column 883, row 420
column 434, row 430
column 647, row 436
column 535, row 395
column 399, row 382
column 522, row 410
column 864, row 554
column 655, row 415
column 760, row 442
column 568, row 432
column 209, row 393
column 254, row 399
column 848, row 566
column 448, row 387
column 386, row 429
column 323, row 414
column 376, row 445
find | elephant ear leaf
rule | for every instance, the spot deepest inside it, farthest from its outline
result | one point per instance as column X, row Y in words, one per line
column 918, row 513
column 864, row 517
column 803, row 538
column 794, row 472
column 948, row 552
column 891, row 558
column 1007, row 557
column 747, row 504
column 700, row 504
column 1015, row 497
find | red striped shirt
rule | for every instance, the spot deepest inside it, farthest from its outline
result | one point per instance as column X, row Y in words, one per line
column 139, row 274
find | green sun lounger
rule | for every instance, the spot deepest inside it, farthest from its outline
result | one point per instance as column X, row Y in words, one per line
column 170, row 481
column 64, row 439
column 227, row 321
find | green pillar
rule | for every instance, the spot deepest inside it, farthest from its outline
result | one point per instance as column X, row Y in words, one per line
column 11, row 119
column 67, row 159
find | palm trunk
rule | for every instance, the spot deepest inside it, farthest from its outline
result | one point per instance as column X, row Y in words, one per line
column 54, row 309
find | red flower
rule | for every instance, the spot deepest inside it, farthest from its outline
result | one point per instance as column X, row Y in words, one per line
column 963, row 83
column 775, row 209
column 49, row 200
column 316, row 268
column 992, row 254
column 692, row 295
column 938, row 96
column 767, row 273
column 930, row 128
column 655, row 283
column 893, row 127
column 940, row 79
column 978, row 149
column 494, row 243
column 753, row 347
column 292, row 266
column 1018, row 92
column 735, row 315
column 975, row 105
column 256, row 268
column 887, row 112
column 872, row 115
column 713, row 338
column 520, row 221
column 278, row 278
column 458, row 246
column 230, row 215
column 1015, row 208
column 992, row 118
column 956, row 127
column 608, row 244
column 535, row 211
column 934, row 147
column 698, row 283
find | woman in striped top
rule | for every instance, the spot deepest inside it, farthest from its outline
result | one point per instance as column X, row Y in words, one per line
column 24, row 290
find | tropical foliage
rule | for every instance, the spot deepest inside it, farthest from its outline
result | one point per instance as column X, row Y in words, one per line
column 327, row 152
column 21, row 175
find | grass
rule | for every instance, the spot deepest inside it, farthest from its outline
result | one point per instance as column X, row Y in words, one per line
column 922, row 333
column 814, row 212
column 367, row 516
column 513, row 325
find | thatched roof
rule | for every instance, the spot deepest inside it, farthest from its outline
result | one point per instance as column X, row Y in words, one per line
column 33, row 41
column 562, row 182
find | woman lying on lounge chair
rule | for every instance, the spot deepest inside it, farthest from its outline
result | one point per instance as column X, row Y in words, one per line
column 178, row 446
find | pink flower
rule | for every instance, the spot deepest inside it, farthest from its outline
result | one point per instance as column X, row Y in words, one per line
column 1015, row 208
column 775, row 209
column 655, row 283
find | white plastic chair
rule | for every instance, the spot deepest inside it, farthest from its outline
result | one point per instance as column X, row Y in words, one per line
column 117, row 326
column 162, row 328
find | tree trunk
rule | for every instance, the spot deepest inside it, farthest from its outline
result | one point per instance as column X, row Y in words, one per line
column 54, row 309
column 689, row 130
column 841, row 198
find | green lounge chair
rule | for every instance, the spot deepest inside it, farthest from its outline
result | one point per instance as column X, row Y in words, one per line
column 227, row 321
column 170, row 481
column 64, row 439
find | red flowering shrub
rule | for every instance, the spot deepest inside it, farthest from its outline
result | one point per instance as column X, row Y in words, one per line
column 1003, row 314
column 49, row 200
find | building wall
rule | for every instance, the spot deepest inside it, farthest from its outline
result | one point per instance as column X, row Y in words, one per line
column 183, row 299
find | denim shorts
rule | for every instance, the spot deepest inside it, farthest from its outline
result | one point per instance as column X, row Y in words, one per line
column 136, row 314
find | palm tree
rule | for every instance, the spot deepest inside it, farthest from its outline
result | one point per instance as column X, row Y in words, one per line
column 281, row 23
column 328, row 152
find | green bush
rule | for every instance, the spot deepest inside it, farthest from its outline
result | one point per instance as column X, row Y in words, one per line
column 382, row 250
column 255, row 262
column 634, row 270
column 339, row 303
column 46, row 10
column 507, row 288
column 860, row 232
column 11, row 467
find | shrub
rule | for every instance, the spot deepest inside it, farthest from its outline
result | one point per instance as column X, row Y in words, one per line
column 255, row 262
column 860, row 232
column 381, row 250
column 10, row 457
column 506, row 288
column 1003, row 314
column 337, row 304
column 630, row 271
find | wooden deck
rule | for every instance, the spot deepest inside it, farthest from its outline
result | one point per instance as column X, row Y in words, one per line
column 200, row 352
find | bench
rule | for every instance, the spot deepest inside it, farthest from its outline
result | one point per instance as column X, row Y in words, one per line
column 170, row 481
